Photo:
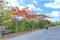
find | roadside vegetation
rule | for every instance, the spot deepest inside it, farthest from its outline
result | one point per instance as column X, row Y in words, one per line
column 56, row 23
column 30, row 22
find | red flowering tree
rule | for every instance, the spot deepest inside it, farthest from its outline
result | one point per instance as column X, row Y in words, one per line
column 26, row 15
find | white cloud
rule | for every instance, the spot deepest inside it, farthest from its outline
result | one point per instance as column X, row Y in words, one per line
column 55, row 13
column 20, row 7
column 32, row 7
column 34, row 1
column 13, row 3
column 54, row 16
column 55, row 4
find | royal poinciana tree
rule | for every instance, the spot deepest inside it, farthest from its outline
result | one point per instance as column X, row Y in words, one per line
column 24, row 13
column 14, row 14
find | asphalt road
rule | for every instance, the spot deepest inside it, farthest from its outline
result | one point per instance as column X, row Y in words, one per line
column 52, row 33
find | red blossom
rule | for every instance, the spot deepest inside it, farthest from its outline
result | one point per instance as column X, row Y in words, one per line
column 1, row 0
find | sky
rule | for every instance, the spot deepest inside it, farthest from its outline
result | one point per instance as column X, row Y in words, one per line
column 48, row 7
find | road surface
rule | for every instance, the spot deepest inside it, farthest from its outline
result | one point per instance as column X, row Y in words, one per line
column 52, row 33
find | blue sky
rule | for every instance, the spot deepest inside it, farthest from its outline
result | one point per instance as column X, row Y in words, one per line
column 48, row 7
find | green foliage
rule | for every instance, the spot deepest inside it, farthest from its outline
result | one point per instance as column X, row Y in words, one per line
column 41, row 24
column 44, row 23
column 10, row 26
column 25, row 25
column 56, row 23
